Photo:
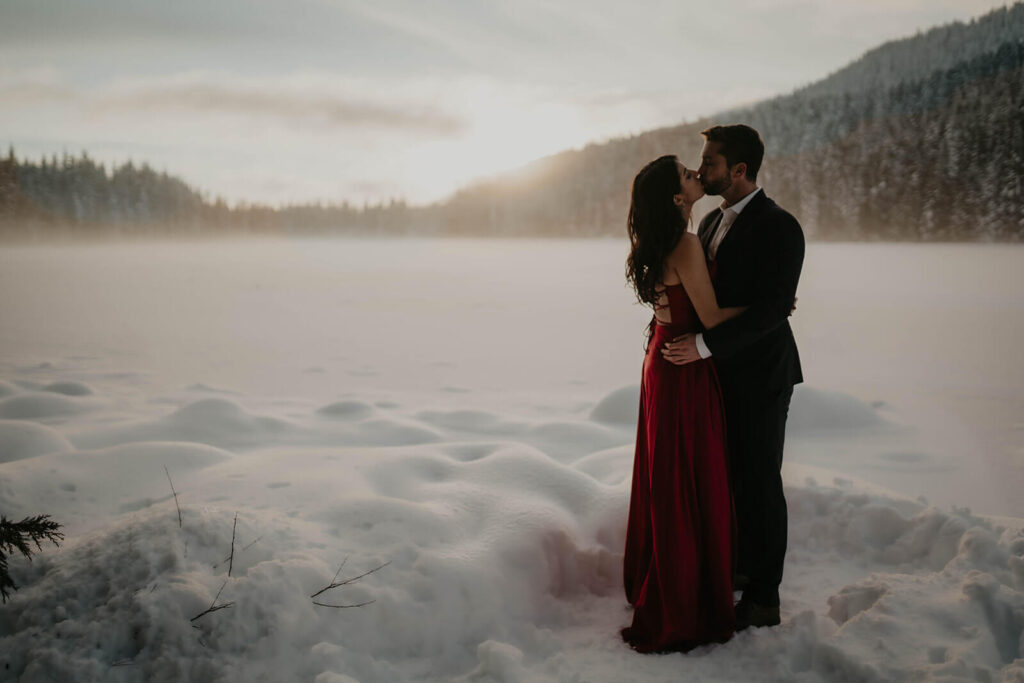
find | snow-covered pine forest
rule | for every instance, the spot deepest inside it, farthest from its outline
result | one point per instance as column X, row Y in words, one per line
column 921, row 139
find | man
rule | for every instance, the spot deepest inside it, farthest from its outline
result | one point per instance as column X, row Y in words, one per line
column 757, row 250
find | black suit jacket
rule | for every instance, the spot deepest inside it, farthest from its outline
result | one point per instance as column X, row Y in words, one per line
column 757, row 265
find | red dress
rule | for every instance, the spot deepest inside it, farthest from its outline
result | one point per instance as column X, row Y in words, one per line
column 677, row 568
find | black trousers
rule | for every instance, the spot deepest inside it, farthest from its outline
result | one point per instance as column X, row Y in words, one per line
column 756, row 429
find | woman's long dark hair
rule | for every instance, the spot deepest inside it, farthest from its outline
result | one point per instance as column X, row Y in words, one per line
column 655, row 225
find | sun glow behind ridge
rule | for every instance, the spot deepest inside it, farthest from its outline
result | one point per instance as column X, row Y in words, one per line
column 314, row 136
column 347, row 101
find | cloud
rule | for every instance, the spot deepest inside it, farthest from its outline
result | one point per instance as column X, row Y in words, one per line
column 29, row 93
column 289, row 106
column 30, row 86
column 318, row 101
column 335, row 95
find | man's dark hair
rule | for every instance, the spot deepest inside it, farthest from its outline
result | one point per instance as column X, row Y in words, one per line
column 739, row 143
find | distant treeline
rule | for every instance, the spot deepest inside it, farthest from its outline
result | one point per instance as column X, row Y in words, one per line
column 920, row 139
column 77, row 197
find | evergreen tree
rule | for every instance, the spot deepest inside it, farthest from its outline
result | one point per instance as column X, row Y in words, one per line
column 20, row 536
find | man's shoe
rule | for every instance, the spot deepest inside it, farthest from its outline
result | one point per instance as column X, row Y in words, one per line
column 749, row 613
column 740, row 582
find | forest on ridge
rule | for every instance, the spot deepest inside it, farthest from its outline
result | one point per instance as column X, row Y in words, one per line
column 921, row 139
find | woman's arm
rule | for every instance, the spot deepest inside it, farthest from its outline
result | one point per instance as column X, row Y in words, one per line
column 691, row 266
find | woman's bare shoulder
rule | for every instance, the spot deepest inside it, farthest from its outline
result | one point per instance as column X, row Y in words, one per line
column 688, row 248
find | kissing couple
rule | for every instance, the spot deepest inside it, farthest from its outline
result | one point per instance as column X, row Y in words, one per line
column 707, row 513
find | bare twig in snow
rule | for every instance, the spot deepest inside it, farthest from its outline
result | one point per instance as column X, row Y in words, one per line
column 336, row 584
column 231, row 557
column 357, row 604
column 213, row 605
column 246, row 547
column 175, row 495
column 240, row 550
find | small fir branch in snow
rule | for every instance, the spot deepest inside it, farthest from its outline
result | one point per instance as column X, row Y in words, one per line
column 213, row 605
column 175, row 495
column 336, row 584
column 20, row 536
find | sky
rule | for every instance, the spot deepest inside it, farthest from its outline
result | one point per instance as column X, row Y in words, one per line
column 362, row 101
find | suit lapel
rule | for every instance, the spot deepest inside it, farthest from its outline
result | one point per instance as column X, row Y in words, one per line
column 747, row 218
column 708, row 226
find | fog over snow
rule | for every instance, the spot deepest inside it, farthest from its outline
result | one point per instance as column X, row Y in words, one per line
column 461, row 415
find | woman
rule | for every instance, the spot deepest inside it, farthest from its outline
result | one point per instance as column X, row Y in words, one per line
column 678, row 558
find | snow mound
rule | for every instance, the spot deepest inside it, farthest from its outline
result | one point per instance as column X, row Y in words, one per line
column 346, row 410
column 389, row 432
column 905, row 535
column 69, row 388
column 467, row 452
column 475, row 421
column 8, row 389
column 971, row 615
column 501, row 662
column 39, row 406
column 214, row 421
column 500, row 545
column 201, row 387
column 610, row 466
column 568, row 440
column 101, row 482
column 815, row 411
column 334, row 677
column 21, row 439
column 812, row 411
column 502, row 564
column 950, row 580
column 126, row 596
column 620, row 407
column 218, row 418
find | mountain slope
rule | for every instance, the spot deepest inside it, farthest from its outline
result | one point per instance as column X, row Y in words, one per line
column 920, row 139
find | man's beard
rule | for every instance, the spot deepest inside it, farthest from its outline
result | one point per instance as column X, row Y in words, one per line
column 717, row 187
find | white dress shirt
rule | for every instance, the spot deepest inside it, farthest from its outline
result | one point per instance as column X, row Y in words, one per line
column 729, row 216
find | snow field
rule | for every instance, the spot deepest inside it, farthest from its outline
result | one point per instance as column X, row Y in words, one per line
column 503, row 540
